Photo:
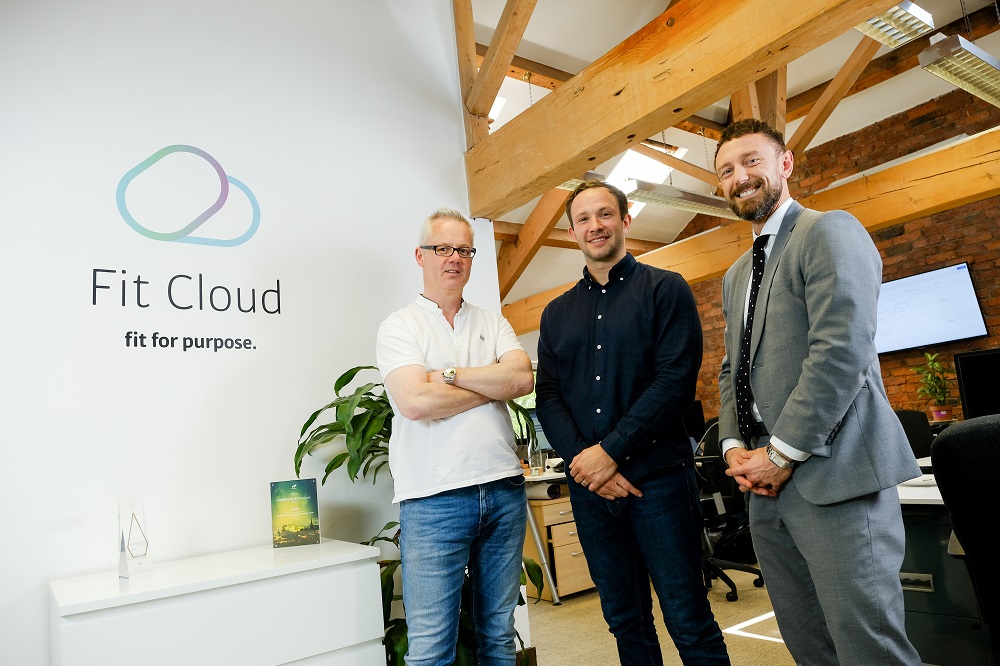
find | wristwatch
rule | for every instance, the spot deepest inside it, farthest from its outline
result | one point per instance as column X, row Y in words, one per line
column 448, row 375
column 778, row 459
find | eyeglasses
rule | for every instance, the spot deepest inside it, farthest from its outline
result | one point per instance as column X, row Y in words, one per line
column 448, row 250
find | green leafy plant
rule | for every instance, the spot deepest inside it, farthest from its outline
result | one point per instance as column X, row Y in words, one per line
column 934, row 380
column 363, row 418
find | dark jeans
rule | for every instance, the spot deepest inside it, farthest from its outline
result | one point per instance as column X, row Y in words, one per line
column 657, row 537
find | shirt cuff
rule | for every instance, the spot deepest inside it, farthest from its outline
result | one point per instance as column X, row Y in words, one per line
column 730, row 443
column 789, row 451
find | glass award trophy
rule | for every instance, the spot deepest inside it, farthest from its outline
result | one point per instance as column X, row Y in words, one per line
column 133, row 537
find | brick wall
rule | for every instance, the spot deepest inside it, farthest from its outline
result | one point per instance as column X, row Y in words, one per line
column 970, row 233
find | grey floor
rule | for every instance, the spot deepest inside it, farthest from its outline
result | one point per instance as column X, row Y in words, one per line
column 574, row 633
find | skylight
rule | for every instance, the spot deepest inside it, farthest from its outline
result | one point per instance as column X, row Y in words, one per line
column 634, row 166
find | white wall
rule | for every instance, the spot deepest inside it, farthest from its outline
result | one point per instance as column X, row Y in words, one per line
column 343, row 120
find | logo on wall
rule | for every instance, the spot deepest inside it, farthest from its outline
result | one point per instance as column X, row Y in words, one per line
column 183, row 235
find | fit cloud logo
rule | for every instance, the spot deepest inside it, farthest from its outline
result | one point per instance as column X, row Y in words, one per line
column 183, row 235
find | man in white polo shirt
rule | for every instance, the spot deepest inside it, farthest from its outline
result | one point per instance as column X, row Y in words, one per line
column 449, row 367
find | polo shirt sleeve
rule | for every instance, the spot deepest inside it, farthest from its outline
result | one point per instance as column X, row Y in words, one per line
column 396, row 346
column 506, row 338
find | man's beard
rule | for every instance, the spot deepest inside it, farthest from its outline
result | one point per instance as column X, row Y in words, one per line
column 762, row 208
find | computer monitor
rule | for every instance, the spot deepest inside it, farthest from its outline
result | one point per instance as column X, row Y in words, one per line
column 978, row 375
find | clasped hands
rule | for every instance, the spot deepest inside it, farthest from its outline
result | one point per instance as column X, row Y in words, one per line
column 596, row 471
column 754, row 471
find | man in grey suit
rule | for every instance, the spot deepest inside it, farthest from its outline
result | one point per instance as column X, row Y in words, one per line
column 805, row 424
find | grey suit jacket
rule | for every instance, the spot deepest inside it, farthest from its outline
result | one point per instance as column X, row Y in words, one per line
column 814, row 369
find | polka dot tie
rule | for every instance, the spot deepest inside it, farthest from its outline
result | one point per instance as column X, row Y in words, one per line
column 744, row 396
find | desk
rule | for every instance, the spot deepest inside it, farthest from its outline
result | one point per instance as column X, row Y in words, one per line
column 942, row 616
column 320, row 604
column 554, row 544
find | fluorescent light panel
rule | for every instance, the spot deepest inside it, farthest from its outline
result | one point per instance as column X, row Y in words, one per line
column 898, row 25
column 962, row 63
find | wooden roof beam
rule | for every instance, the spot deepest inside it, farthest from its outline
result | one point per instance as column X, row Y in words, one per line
column 685, row 59
column 897, row 61
column 515, row 257
column 960, row 174
column 507, row 232
column 836, row 91
column 510, row 29
column 677, row 163
column 477, row 128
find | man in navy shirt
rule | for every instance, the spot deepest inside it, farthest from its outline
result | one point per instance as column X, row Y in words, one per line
column 618, row 360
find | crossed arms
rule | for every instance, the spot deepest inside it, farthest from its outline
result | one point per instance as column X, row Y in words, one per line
column 420, row 393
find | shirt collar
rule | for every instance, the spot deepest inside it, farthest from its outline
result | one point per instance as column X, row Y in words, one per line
column 619, row 271
column 428, row 304
column 773, row 224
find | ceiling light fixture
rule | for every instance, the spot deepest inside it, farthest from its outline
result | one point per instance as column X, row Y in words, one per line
column 962, row 63
column 898, row 25
column 664, row 195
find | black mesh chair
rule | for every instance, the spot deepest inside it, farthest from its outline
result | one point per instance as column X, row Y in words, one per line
column 918, row 431
column 965, row 459
column 726, row 540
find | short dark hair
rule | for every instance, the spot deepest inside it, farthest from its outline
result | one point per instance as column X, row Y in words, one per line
column 750, row 126
column 591, row 184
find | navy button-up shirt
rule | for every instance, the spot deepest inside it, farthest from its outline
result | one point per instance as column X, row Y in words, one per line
column 618, row 364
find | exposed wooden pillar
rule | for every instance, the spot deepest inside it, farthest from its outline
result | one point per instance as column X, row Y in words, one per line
column 682, row 61
column 743, row 103
column 828, row 101
column 510, row 29
column 514, row 258
column 771, row 95
column 477, row 128
column 960, row 174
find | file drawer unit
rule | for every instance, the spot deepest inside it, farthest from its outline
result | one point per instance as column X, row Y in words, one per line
column 565, row 554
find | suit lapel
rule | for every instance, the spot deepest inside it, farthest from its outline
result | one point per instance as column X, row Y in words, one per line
column 738, row 296
column 760, row 309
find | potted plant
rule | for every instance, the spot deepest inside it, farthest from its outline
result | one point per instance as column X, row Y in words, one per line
column 363, row 418
column 934, row 383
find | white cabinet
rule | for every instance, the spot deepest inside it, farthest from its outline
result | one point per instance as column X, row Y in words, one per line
column 320, row 604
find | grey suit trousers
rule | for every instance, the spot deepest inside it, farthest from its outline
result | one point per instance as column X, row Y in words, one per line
column 833, row 576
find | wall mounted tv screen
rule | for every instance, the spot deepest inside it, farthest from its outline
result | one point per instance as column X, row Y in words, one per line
column 928, row 308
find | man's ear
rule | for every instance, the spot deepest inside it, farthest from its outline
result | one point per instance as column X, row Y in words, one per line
column 787, row 164
column 419, row 255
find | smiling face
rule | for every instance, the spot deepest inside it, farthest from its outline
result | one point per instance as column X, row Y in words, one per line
column 598, row 227
column 445, row 275
column 753, row 172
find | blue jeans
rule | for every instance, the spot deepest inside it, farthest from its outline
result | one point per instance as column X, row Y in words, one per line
column 657, row 537
column 480, row 527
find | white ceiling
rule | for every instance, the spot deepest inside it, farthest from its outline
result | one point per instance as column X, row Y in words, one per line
column 571, row 34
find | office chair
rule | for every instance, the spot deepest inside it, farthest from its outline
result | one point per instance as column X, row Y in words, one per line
column 918, row 431
column 965, row 459
column 726, row 533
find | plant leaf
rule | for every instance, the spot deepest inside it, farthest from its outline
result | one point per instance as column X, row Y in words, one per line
column 534, row 573
column 348, row 377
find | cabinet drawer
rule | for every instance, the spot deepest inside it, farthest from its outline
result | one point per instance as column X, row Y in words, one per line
column 557, row 512
column 572, row 574
column 564, row 534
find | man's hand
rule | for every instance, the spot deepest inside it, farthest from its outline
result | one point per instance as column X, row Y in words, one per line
column 754, row 471
column 615, row 487
column 592, row 467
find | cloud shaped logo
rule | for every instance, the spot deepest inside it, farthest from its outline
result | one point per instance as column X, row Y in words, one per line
column 183, row 235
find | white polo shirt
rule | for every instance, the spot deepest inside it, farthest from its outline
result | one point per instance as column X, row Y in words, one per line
column 476, row 446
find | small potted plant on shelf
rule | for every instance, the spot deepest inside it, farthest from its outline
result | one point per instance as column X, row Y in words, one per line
column 363, row 418
column 934, row 384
